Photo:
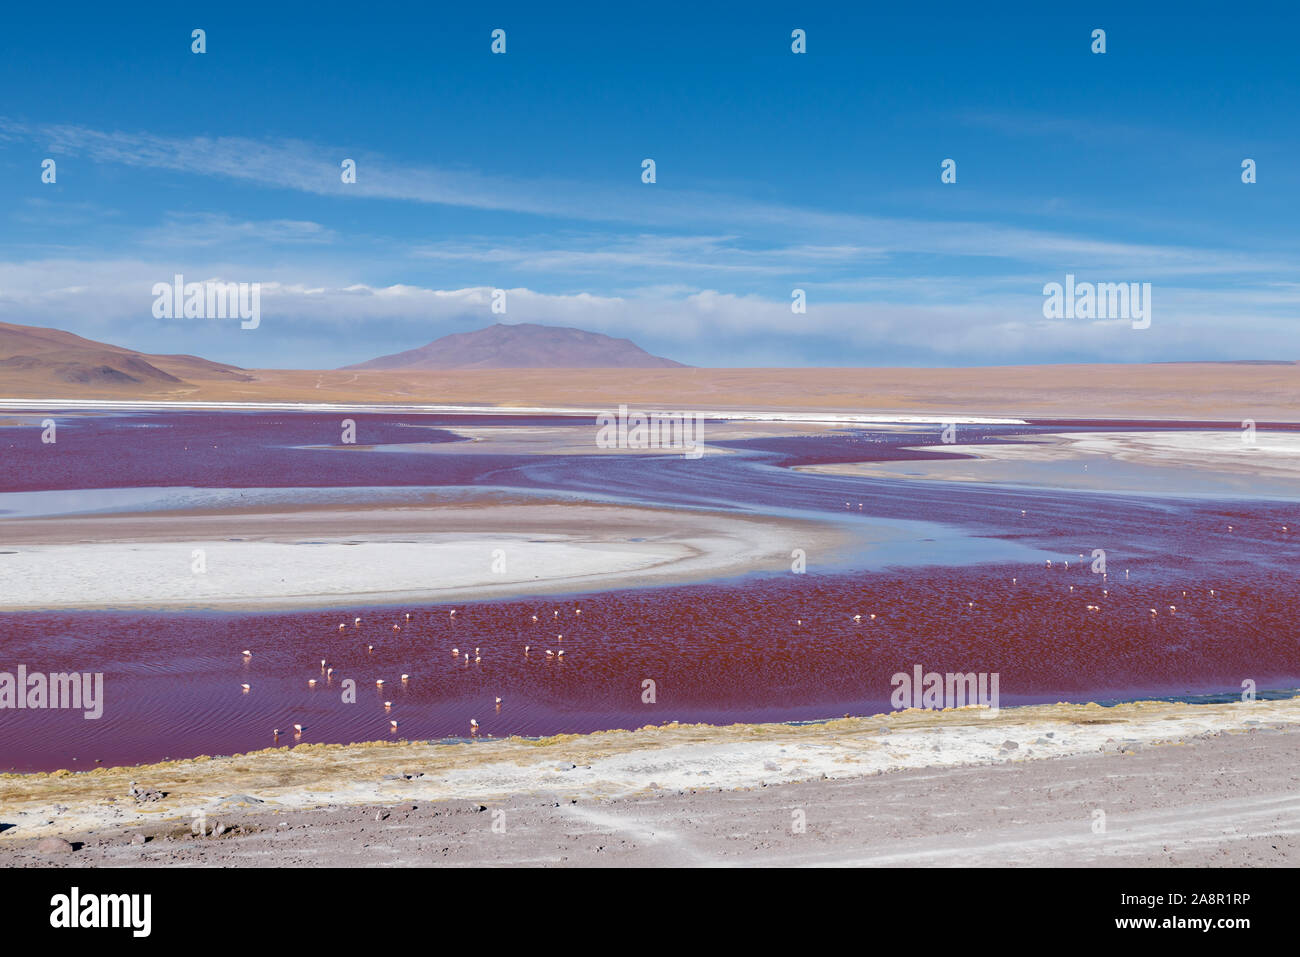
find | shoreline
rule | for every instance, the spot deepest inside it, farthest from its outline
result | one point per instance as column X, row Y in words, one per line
column 613, row 764
column 1191, row 462
column 1218, row 391
column 570, row 411
column 344, row 556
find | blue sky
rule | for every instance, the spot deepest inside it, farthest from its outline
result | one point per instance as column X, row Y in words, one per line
column 775, row 171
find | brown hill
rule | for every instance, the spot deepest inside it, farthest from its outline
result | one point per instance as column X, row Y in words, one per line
column 523, row 345
column 37, row 361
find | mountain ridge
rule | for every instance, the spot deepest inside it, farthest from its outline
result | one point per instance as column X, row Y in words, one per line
column 523, row 345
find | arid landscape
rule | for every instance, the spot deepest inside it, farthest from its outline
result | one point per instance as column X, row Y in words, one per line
column 649, row 438
column 58, row 366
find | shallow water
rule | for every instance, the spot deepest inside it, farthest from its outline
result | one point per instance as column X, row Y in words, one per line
column 722, row 652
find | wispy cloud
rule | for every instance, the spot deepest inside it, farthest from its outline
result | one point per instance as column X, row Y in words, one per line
column 600, row 254
column 212, row 229
column 305, row 167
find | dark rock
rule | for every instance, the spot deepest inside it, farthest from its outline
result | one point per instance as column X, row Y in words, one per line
column 145, row 795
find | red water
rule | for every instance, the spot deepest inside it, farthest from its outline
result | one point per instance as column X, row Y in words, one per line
column 723, row 652
column 719, row 653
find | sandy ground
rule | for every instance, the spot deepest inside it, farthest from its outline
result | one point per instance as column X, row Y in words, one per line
column 1176, row 784
column 316, row 557
column 1187, row 461
column 1216, row 391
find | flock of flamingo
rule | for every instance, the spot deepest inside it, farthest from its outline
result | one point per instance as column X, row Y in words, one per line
column 328, row 671
column 464, row 657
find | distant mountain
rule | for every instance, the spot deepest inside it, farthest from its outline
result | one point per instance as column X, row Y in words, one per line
column 36, row 361
column 524, row 345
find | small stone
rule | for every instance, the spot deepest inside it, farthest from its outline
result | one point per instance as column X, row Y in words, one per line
column 1009, row 745
column 771, row 766
column 138, row 838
